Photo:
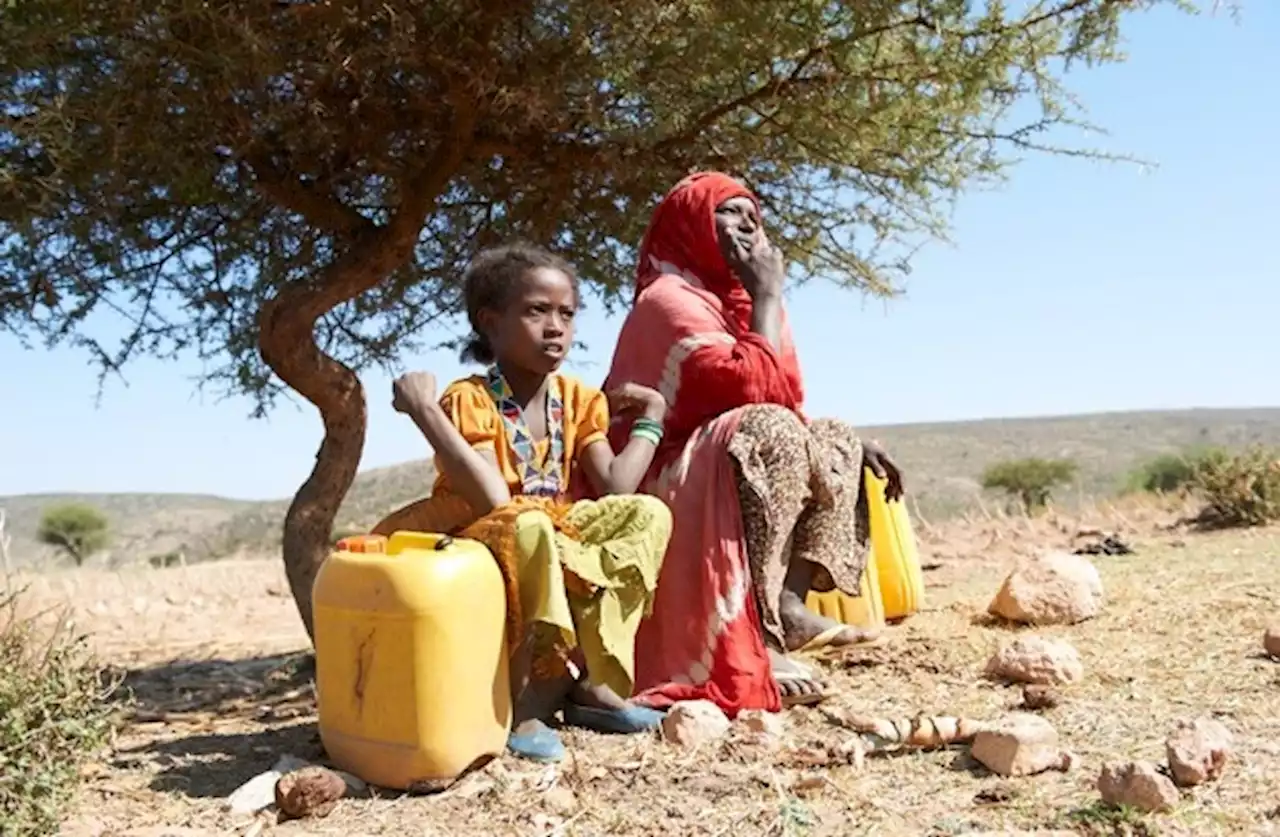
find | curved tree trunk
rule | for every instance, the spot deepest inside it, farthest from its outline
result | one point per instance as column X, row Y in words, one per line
column 288, row 344
column 286, row 337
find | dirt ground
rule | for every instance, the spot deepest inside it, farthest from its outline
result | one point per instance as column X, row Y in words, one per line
column 219, row 690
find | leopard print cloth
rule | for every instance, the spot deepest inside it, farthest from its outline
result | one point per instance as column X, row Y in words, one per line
column 800, row 489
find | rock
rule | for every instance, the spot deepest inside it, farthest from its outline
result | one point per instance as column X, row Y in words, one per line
column 1037, row 660
column 1040, row 697
column 309, row 792
column 1054, row 589
column 692, row 723
column 1198, row 751
column 560, row 800
column 355, row 785
column 762, row 728
column 1271, row 641
column 259, row 792
column 1022, row 745
column 1137, row 784
column 762, row 723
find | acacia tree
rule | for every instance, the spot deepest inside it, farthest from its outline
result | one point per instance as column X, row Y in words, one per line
column 290, row 190
column 76, row 529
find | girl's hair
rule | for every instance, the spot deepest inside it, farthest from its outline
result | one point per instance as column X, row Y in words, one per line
column 493, row 278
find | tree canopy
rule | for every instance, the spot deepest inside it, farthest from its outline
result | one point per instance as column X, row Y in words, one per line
column 77, row 529
column 1031, row 481
column 290, row 190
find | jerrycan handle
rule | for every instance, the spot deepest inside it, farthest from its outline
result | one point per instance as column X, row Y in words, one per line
column 408, row 541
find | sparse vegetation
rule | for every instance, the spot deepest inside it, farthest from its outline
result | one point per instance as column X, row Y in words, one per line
column 1030, row 481
column 77, row 529
column 1241, row 489
column 1170, row 473
column 54, row 714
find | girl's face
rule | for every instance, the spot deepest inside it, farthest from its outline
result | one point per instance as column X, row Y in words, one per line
column 535, row 330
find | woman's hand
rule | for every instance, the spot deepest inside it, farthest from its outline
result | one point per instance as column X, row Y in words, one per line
column 413, row 392
column 757, row 264
column 635, row 400
column 874, row 457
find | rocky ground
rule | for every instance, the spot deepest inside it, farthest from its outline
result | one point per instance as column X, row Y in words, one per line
column 1168, row 681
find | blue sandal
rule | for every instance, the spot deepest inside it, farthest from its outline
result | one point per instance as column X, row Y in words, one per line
column 627, row 721
column 541, row 745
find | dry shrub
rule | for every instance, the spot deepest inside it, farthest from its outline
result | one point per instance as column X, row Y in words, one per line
column 54, row 714
column 1241, row 489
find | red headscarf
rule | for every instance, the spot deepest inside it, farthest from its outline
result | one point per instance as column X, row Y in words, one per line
column 682, row 234
column 689, row 334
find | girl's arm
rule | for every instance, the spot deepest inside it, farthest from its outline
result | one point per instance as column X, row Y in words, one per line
column 623, row 473
column 474, row 474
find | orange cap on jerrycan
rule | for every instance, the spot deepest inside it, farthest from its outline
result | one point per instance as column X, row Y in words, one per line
column 412, row 678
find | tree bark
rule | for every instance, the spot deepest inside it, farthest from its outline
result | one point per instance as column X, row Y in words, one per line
column 286, row 337
column 291, row 350
column 287, row 342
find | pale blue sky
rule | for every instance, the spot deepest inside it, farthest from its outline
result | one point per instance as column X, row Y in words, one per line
column 1078, row 287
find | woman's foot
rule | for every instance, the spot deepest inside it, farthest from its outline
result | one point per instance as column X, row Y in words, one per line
column 805, row 630
column 796, row 682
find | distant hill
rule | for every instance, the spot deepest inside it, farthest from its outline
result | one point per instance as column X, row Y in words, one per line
column 942, row 463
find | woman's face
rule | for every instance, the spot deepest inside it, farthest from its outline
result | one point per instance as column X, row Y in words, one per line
column 737, row 219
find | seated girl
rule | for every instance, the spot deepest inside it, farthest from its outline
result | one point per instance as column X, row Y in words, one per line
column 512, row 446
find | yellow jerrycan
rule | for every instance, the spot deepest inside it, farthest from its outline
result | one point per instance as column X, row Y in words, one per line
column 864, row 611
column 412, row 680
column 893, row 549
column 892, row 584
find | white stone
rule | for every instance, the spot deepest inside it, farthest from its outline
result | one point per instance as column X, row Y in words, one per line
column 692, row 723
column 1022, row 745
column 1198, row 751
column 1137, row 784
column 1058, row 588
column 1037, row 660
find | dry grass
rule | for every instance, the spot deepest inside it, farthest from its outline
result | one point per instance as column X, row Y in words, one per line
column 1180, row 637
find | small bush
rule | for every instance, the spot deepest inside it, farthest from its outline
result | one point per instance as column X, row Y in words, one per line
column 77, row 529
column 1171, row 472
column 1240, row 489
column 1030, row 481
column 54, row 714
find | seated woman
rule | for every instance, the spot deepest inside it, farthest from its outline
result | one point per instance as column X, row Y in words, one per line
column 766, row 503
column 510, row 446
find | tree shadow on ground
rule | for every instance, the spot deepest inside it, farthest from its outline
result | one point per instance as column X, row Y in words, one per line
column 205, row 727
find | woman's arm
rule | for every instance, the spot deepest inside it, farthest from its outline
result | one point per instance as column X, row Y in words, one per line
column 766, row 319
column 623, row 473
column 474, row 474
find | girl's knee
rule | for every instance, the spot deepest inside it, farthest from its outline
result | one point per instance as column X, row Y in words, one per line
column 833, row 429
column 653, row 510
column 533, row 524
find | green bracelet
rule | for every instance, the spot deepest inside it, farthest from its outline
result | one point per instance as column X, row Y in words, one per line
column 647, row 435
column 645, row 423
column 646, row 432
